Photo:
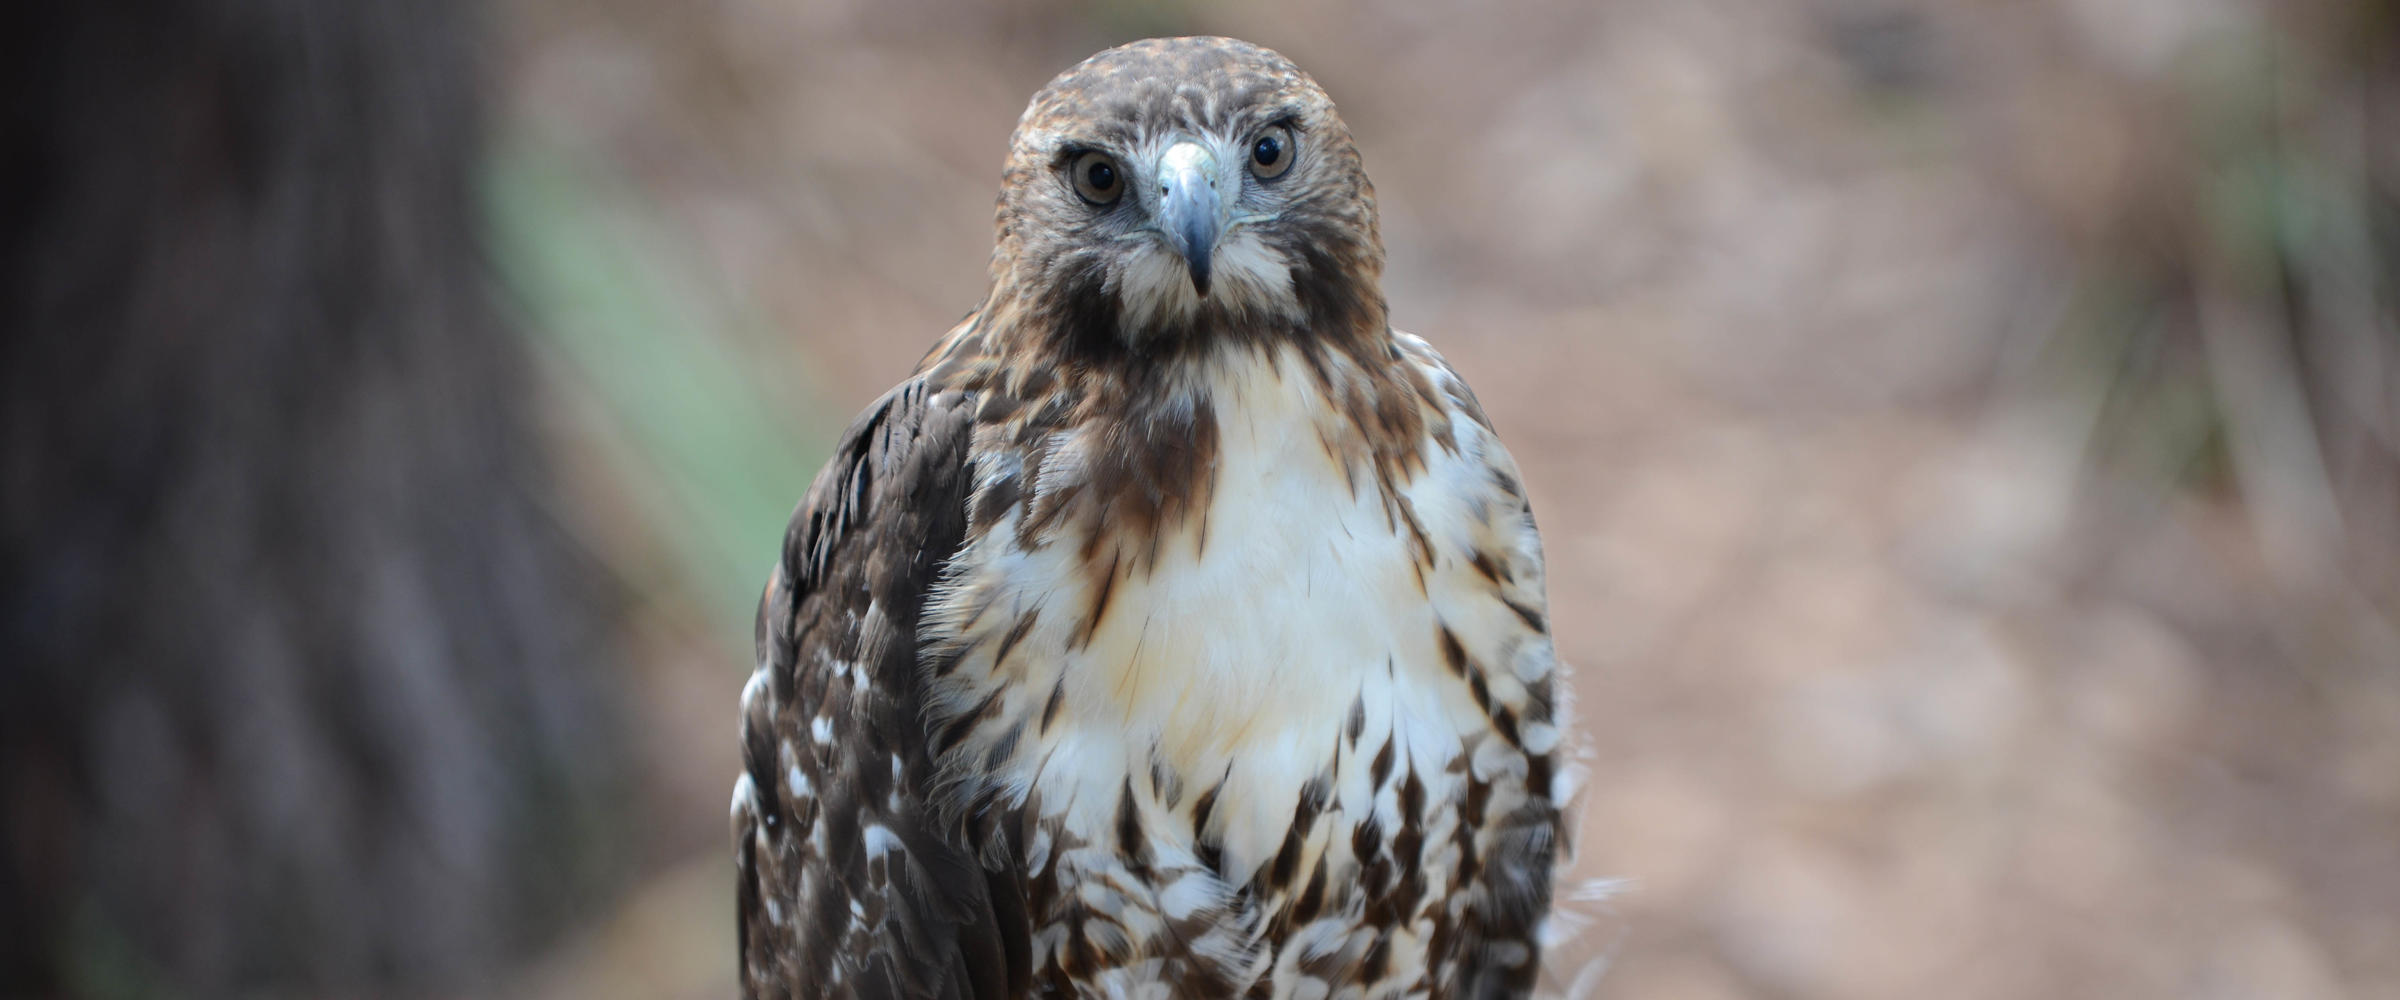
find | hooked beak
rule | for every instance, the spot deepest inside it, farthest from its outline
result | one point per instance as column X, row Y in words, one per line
column 1188, row 207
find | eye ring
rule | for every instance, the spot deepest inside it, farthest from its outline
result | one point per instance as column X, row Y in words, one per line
column 1271, row 152
column 1097, row 178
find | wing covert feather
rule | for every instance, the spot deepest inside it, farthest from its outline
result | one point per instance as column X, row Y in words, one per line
column 851, row 883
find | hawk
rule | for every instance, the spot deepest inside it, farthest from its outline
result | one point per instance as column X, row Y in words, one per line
column 1177, row 629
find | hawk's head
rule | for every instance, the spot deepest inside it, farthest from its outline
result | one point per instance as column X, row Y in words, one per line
column 1172, row 189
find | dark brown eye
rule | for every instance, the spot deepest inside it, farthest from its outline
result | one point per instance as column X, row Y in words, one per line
column 1097, row 178
column 1271, row 152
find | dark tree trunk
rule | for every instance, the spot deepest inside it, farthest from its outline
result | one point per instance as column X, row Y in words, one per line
column 303, row 690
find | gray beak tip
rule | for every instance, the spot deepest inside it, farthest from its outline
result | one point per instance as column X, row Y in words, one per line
column 1196, row 262
column 1195, row 237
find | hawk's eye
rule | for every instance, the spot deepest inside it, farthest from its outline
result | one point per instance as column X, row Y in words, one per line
column 1096, row 178
column 1271, row 152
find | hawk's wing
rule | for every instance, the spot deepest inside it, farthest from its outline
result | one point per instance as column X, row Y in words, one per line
column 851, row 884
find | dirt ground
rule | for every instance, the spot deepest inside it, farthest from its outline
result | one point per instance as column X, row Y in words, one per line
column 1952, row 608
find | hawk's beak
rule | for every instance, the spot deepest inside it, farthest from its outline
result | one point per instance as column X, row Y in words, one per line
column 1187, row 207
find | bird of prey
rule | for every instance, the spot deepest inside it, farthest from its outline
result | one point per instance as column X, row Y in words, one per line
column 1177, row 629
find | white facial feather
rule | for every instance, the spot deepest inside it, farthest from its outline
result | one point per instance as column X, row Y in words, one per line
column 1247, row 276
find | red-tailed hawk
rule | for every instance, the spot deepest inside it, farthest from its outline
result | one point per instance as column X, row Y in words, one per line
column 1177, row 630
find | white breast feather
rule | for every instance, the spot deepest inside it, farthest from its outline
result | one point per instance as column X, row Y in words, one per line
column 1242, row 659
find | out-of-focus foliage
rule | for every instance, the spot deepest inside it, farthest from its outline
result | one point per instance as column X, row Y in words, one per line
column 713, row 452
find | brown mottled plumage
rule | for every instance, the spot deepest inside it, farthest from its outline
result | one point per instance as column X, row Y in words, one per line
column 1178, row 628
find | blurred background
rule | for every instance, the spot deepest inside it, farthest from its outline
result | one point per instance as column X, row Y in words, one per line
column 1967, row 437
